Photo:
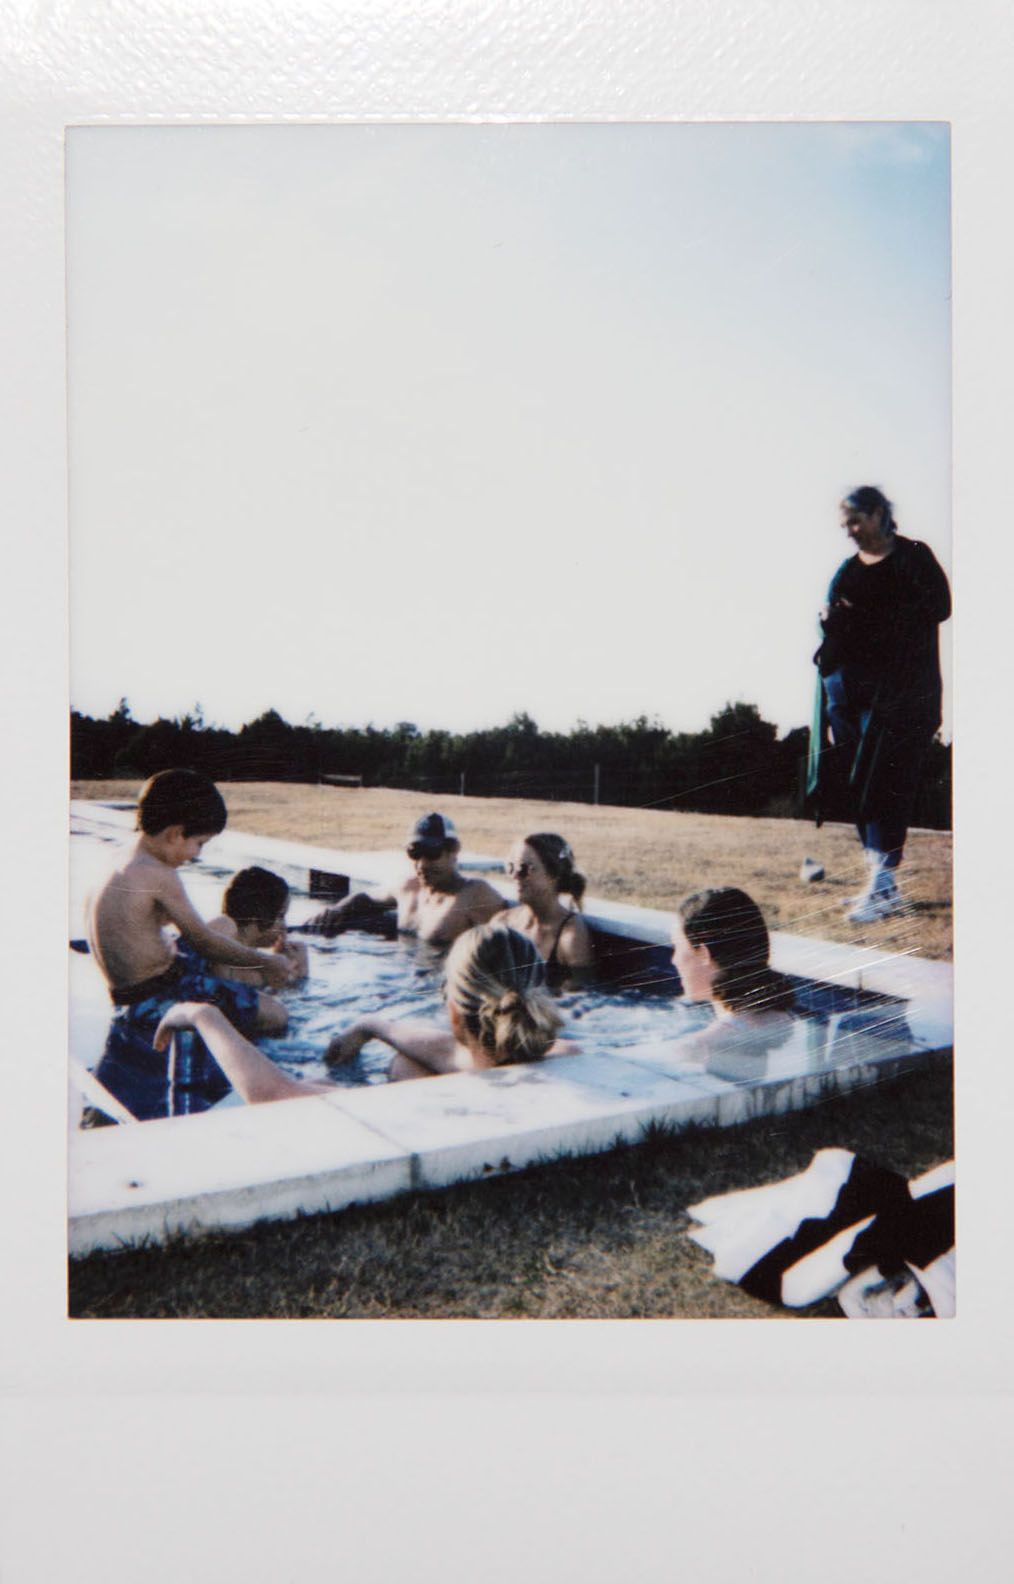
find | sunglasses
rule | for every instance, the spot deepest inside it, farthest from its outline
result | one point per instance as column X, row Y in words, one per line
column 517, row 871
column 424, row 850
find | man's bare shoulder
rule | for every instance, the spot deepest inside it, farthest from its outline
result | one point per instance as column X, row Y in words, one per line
column 480, row 899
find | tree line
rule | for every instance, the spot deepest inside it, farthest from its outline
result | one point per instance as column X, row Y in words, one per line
column 738, row 765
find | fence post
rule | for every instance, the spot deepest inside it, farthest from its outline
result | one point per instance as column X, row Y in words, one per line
column 595, row 798
column 462, row 792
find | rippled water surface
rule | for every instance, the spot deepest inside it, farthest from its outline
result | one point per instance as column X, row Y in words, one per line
column 357, row 974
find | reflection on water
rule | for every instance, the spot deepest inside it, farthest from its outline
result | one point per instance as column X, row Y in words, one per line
column 741, row 1048
column 783, row 1045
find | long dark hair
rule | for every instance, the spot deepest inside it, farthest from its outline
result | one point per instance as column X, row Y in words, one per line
column 731, row 926
column 556, row 855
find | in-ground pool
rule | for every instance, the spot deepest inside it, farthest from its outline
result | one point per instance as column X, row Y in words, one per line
column 639, row 1004
column 867, row 1015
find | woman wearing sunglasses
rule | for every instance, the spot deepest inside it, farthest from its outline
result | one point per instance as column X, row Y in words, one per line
column 543, row 866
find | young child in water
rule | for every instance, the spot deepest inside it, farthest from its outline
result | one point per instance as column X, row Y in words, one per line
column 253, row 912
column 147, row 970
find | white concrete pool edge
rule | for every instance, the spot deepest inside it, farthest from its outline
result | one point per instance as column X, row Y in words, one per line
column 233, row 1167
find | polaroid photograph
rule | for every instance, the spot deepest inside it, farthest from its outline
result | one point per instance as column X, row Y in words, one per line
column 477, row 490
column 493, row 496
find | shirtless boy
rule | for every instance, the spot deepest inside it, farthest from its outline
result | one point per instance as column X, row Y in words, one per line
column 437, row 903
column 178, row 812
column 253, row 912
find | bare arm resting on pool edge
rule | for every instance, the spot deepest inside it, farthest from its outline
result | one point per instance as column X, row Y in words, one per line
column 352, row 912
column 252, row 1074
column 436, row 902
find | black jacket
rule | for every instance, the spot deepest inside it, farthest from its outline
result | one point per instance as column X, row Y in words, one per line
column 888, row 630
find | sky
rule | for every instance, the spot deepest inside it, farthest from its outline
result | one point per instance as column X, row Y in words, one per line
column 439, row 423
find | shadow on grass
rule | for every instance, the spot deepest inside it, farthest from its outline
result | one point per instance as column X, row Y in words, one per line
column 594, row 1237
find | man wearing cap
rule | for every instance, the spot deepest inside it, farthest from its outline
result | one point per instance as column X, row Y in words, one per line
column 437, row 903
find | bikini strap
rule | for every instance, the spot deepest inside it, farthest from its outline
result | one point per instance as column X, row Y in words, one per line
column 563, row 925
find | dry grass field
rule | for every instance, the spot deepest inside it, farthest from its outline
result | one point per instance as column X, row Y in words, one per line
column 600, row 1237
column 603, row 1237
column 648, row 856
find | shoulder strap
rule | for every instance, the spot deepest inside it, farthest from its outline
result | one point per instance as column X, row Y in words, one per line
column 563, row 925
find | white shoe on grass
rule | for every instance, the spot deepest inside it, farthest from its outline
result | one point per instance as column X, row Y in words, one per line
column 867, row 910
column 889, row 893
column 880, row 896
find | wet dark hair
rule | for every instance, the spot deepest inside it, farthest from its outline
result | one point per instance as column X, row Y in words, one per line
column 730, row 925
column 867, row 499
column 497, row 980
column 255, row 896
column 555, row 854
column 180, row 797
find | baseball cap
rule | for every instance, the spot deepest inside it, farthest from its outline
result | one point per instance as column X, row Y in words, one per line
column 430, row 833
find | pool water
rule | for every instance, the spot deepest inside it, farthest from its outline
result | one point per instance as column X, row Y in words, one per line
column 358, row 974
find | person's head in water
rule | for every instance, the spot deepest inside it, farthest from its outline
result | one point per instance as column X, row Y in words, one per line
column 256, row 900
column 495, row 984
column 543, row 865
column 867, row 516
column 721, row 949
column 180, row 797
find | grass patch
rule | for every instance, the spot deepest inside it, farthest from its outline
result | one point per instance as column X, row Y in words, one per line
column 597, row 1237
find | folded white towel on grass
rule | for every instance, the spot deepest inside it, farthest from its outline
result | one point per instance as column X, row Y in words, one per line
column 797, row 1241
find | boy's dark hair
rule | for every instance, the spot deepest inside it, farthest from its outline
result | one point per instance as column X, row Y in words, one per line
column 255, row 896
column 180, row 797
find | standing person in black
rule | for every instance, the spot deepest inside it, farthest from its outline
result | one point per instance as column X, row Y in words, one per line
column 878, row 703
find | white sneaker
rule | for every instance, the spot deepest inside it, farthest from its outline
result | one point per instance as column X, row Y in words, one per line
column 880, row 896
column 870, row 889
column 868, row 909
column 888, row 892
column 893, row 903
